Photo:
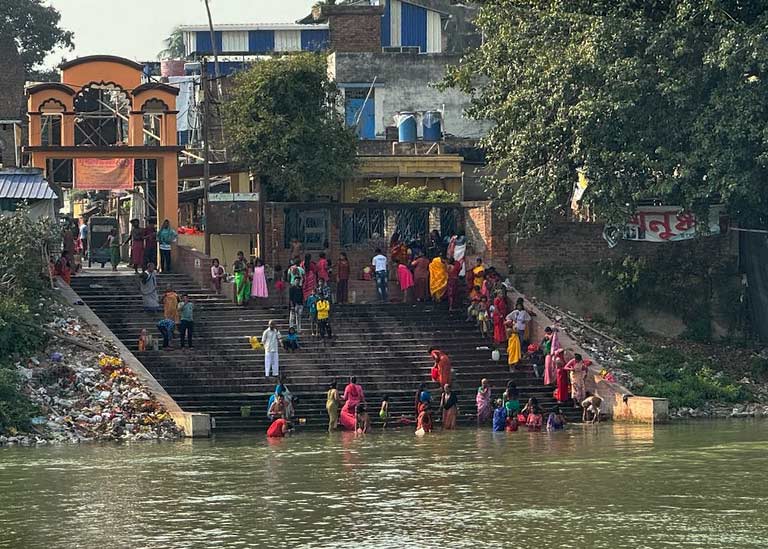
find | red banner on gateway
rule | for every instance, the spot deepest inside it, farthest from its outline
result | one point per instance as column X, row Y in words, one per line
column 103, row 174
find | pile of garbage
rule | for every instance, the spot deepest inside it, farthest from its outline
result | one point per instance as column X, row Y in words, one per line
column 87, row 394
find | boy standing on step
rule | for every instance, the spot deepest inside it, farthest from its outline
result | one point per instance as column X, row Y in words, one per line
column 186, row 313
column 271, row 341
column 323, row 317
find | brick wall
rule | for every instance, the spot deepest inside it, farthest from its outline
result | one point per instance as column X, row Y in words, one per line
column 567, row 244
column 353, row 28
column 486, row 234
column 353, row 33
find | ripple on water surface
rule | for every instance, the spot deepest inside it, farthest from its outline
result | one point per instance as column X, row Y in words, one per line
column 684, row 485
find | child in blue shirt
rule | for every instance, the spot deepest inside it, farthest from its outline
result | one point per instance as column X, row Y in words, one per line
column 291, row 341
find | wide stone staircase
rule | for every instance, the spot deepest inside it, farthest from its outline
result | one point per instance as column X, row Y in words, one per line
column 385, row 346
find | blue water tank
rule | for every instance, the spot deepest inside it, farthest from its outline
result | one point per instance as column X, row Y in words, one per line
column 433, row 126
column 406, row 127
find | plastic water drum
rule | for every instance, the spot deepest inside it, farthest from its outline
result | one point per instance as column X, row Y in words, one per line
column 406, row 127
column 433, row 126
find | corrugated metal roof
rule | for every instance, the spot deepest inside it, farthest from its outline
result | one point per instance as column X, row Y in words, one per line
column 24, row 184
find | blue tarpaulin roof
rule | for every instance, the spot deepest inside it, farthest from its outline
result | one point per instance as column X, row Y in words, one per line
column 25, row 184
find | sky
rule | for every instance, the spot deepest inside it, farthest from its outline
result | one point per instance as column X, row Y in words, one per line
column 136, row 28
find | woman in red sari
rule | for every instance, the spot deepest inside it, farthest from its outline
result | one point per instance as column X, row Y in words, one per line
column 499, row 314
column 310, row 276
column 137, row 245
column 561, row 376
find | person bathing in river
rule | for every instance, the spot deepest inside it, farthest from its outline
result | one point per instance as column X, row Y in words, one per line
column 362, row 420
column 332, row 406
column 384, row 411
column 449, row 406
column 591, row 406
column 532, row 412
column 424, row 420
column 483, row 400
column 499, row 417
column 279, row 428
column 556, row 420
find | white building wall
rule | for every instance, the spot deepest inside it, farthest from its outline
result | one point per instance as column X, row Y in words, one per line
column 403, row 84
column 434, row 33
column 234, row 41
column 395, row 18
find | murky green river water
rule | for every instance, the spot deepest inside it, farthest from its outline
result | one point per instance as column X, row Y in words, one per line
column 612, row 486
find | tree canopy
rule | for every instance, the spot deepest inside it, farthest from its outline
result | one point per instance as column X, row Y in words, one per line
column 650, row 99
column 174, row 46
column 283, row 122
column 35, row 29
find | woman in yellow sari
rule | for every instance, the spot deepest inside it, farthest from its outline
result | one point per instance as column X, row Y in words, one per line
column 513, row 351
column 438, row 279
column 171, row 305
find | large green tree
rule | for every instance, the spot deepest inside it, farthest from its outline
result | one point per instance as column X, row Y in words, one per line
column 663, row 99
column 34, row 29
column 282, row 121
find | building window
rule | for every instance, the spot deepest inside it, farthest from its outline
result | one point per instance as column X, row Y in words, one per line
column 153, row 112
column 50, row 130
column 360, row 225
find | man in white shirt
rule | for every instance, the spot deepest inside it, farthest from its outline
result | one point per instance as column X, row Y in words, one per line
column 519, row 319
column 271, row 341
column 379, row 263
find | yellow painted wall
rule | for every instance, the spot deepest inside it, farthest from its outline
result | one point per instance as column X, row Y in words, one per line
column 436, row 172
column 403, row 165
column 224, row 247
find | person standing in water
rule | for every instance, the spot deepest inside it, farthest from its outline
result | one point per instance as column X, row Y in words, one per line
column 449, row 406
column 332, row 406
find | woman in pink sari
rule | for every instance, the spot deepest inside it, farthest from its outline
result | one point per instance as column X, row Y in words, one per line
column 552, row 344
column 353, row 395
column 483, row 400
column 405, row 278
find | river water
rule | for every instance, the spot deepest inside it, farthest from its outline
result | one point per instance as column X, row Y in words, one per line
column 609, row 486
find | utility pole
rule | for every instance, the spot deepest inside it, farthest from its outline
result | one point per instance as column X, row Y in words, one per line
column 204, row 107
column 213, row 40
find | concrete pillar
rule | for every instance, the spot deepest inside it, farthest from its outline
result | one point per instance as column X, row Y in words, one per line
column 135, row 129
column 34, row 129
column 169, row 135
column 168, row 190
column 68, row 130
column 240, row 182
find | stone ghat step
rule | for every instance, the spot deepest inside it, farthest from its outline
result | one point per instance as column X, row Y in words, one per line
column 255, row 388
column 340, row 371
column 384, row 345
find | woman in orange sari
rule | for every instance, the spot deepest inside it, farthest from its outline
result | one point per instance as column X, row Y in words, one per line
column 438, row 279
column 443, row 365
